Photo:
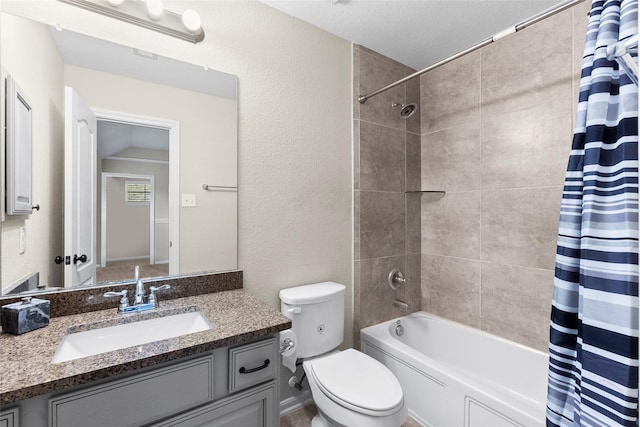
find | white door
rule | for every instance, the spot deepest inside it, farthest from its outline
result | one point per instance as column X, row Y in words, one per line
column 80, row 191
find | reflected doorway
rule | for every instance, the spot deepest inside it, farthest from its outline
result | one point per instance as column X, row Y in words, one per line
column 137, row 207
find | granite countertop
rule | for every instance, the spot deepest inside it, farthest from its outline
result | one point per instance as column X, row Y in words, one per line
column 235, row 317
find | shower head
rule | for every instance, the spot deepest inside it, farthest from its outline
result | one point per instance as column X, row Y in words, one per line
column 406, row 110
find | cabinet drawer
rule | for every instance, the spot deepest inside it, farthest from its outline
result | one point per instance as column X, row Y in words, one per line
column 252, row 364
column 137, row 399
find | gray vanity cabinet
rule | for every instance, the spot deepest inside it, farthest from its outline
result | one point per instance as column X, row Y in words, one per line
column 248, row 405
column 195, row 391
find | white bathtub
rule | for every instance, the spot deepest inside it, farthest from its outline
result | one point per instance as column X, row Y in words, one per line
column 455, row 376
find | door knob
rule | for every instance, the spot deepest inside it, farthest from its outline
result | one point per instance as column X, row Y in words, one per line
column 58, row 259
column 81, row 258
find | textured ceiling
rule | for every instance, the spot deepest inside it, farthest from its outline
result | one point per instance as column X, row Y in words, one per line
column 417, row 33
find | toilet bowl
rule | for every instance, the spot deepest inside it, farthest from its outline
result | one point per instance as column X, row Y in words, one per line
column 350, row 388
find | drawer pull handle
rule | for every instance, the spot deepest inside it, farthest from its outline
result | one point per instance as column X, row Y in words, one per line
column 243, row 370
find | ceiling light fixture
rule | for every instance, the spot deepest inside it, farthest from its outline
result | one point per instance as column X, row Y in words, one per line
column 149, row 14
column 155, row 9
column 192, row 21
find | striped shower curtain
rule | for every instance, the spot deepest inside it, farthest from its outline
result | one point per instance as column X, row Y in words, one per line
column 593, row 349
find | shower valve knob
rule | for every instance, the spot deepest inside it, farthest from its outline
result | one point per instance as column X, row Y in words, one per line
column 396, row 278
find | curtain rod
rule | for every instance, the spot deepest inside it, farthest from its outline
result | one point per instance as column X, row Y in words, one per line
column 522, row 25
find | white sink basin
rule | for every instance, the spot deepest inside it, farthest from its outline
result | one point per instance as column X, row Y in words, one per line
column 96, row 341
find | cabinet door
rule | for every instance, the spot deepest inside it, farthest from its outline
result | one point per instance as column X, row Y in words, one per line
column 9, row 418
column 251, row 408
column 138, row 399
column 19, row 151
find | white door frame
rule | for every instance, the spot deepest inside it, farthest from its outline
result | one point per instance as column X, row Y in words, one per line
column 103, row 213
column 173, row 127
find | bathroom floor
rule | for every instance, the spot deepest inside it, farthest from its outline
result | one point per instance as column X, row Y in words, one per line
column 123, row 270
column 302, row 418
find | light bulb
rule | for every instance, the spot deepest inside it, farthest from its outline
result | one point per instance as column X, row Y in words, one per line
column 115, row 3
column 154, row 9
column 192, row 21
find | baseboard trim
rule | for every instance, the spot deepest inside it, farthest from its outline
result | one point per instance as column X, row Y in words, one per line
column 293, row 403
column 131, row 258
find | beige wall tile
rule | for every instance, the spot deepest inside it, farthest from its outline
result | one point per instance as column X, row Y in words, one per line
column 451, row 159
column 450, row 94
column 374, row 74
column 496, row 136
column 451, row 288
column 519, row 95
column 382, row 158
column 519, row 227
column 451, row 225
column 411, row 293
column 356, row 154
column 519, row 69
column 528, row 147
column 377, row 55
column 412, row 88
column 376, row 296
column 356, row 225
column 386, row 163
column 382, row 224
column 413, row 240
column 357, row 286
column 516, row 303
column 413, row 162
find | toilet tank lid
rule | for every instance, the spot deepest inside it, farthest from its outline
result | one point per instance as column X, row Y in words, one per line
column 311, row 294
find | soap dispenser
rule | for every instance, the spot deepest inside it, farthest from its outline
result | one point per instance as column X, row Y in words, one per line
column 27, row 315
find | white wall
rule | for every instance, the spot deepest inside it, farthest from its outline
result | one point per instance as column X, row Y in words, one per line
column 294, row 127
column 127, row 225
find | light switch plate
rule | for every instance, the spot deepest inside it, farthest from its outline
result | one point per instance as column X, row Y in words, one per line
column 188, row 200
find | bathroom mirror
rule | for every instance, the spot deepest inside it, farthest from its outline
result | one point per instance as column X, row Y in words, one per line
column 163, row 173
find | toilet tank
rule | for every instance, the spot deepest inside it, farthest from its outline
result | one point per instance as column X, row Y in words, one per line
column 317, row 316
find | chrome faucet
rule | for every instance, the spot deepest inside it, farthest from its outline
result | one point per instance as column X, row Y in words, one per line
column 141, row 302
column 139, row 299
column 152, row 293
column 124, row 299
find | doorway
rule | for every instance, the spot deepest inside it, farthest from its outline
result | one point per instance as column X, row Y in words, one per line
column 138, row 196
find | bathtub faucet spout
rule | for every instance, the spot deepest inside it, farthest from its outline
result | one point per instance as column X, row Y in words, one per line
column 401, row 304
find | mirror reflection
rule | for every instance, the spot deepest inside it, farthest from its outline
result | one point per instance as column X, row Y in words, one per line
column 124, row 145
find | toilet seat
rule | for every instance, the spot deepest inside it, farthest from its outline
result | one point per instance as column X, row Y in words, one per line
column 358, row 382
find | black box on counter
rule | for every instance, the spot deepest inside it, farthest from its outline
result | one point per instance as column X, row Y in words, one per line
column 25, row 316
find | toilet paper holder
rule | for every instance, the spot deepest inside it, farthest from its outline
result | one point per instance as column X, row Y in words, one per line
column 286, row 344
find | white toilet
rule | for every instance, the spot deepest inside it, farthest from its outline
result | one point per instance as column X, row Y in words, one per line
column 348, row 387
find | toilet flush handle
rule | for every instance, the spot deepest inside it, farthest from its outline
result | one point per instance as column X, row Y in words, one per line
column 295, row 310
